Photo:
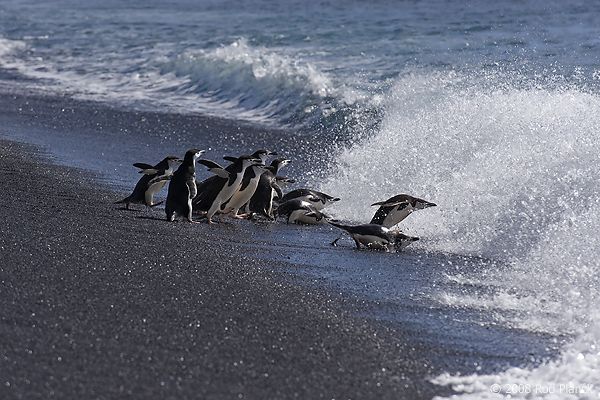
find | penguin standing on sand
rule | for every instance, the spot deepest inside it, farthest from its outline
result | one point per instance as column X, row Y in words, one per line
column 246, row 190
column 261, row 202
column 224, row 186
column 154, row 179
column 262, row 154
column 374, row 236
column 316, row 199
column 182, row 188
column 396, row 208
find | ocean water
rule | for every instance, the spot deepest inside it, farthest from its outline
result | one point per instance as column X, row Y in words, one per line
column 489, row 110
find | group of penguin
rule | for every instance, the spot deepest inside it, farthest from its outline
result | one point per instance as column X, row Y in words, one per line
column 249, row 188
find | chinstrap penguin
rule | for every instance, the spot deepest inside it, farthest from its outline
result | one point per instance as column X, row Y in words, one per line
column 154, row 179
column 377, row 237
column 317, row 199
column 224, row 186
column 182, row 188
column 245, row 191
column 396, row 208
column 261, row 203
column 262, row 154
column 249, row 183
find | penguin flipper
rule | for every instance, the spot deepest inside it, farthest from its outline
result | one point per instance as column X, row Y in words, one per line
column 220, row 172
column 393, row 204
column 149, row 171
column 277, row 189
column 337, row 224
column 209, row 163
column 159, row 178
column 143, row 165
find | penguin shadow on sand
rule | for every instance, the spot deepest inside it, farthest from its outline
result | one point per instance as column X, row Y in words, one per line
column 378, row 233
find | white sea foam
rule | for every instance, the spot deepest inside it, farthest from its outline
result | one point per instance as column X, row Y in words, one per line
column 235, row 80
column 513, row 170
column 8, row 47
column 253, row 81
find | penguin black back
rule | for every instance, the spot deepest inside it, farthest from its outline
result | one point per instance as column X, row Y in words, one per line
column 154, row 179
column 261, row 202
column 397, row 208
column 182, row 188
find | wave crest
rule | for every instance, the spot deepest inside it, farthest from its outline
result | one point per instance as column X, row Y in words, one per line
column 255, row 81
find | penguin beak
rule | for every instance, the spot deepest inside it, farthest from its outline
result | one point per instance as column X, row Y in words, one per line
column 424, row 204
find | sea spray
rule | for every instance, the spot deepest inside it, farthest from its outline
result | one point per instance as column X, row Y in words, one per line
column 514, row 171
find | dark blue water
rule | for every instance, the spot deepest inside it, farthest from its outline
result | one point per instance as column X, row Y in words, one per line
column 489, row 110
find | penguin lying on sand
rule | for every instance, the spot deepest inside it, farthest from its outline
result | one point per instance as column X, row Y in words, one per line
column 377, row 237
column 182, row 188
column 154, row 179
column 317, row 199
column 396, row 208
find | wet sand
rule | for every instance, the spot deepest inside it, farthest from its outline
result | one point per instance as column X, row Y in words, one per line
column 100, row 302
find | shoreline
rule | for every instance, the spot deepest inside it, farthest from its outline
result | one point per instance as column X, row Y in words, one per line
column 101, row 303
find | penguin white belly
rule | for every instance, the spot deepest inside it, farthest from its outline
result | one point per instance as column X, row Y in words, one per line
column 395, row 216
column 270, row 205
column 313, row 201
column 372, row 241
column 153, row 190
column 225, row 194
column 311, row 219
column 241, row 197
column 295, row 216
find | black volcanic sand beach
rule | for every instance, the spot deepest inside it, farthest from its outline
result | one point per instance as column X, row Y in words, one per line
column 101, row 302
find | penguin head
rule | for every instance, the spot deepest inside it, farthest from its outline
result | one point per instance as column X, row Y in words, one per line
column 173, row 161
column 263, row 154
column 420, row 204
column 247, row 161
column 279, row 163
column 259, row 168
column 330, row 199
column 401, row 241
column 192, row 155
column 282, row 181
